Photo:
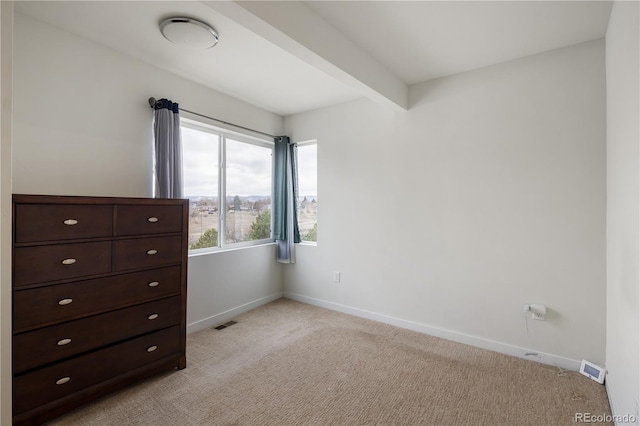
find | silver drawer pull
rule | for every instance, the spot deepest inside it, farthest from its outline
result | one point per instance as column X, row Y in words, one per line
column 152, row 252
column 70, row 222
column 152, row 219
column 69, row 261
column 64, row 302
column 63, row 380
column 152, row 316
column 63, row 342
column 152, row 348
column 154, row 284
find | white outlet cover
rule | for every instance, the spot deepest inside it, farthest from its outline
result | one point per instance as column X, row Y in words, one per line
column 538, row 312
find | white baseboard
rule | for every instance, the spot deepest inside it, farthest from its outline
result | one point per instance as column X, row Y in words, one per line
column 611, row 398
column 520, row 352
column 619, row 418
column 229, row 314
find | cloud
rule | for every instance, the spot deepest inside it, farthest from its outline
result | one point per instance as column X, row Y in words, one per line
column 248, row 167
column 308, row 170
column 200, row 163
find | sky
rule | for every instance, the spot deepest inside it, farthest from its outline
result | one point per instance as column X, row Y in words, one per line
column 248, row 166
column 199, row 159
column 248, row 169
column 307, row 170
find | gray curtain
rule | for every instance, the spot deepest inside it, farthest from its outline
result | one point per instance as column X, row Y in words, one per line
column 285, row 214
column 168, row 149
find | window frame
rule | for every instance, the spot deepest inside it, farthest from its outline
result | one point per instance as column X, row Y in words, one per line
column 302, row 144
column 224, row 134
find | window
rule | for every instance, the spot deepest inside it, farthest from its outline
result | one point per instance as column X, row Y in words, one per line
column 228, row 181
column 308, row 190
column 248, row 191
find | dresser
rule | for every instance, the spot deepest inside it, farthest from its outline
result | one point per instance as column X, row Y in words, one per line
column 99, row 297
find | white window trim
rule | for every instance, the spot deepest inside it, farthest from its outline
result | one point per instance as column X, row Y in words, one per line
column 223, row 134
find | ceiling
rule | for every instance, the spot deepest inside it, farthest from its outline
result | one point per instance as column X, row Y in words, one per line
column 290, row 57
column 419, row 41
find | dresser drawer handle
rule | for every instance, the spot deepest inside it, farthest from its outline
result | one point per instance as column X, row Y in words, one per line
column 63, row 342
column 154, row 284
column 152, row 219
column 64, row 302
column 63, row 380
column 152, row 252
column 69, row 261
column 153, row 316
column 70, row 222
column 152, row 348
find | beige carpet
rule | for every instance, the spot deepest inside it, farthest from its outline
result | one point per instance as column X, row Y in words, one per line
column 288, row 363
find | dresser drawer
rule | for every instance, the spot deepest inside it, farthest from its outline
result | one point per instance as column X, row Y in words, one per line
column 142, row 219
column 54, row 343
column 59, row 380
column 48, row 222
column 49, row 305
column 55, row 262
column 144, row 252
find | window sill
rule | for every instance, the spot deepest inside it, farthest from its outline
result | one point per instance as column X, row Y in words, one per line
column 215, row 250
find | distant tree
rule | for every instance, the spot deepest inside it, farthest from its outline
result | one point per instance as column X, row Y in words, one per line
column 208, row 239
column 261, row 204
column 303, row 203
column 261, row 227
column 312, row 235
column 237, row 203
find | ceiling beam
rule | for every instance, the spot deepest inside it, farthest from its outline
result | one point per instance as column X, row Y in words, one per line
column 295, row 28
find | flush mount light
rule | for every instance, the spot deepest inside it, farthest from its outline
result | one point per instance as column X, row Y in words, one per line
column 189, row 32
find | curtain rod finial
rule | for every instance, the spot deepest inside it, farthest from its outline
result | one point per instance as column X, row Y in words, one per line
column 152, row 102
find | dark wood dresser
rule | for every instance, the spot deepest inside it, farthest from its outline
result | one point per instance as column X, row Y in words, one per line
column 99, row 297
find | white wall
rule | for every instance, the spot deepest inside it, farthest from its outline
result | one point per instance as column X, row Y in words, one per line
column 229, row 284
column 82, row 119
column 623, row 208
column 6, row 96
column 488, row 194
column 83, row 127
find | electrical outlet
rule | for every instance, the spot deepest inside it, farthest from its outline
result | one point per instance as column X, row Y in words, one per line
column 336, row 276
column 538, row 312
column 537, row 316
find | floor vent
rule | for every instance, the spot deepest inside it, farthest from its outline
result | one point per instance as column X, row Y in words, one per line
column 225, row 325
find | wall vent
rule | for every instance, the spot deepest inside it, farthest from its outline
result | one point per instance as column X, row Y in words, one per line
column 225, row 325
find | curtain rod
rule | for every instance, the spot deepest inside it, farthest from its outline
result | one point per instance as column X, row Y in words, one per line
column 152, row 103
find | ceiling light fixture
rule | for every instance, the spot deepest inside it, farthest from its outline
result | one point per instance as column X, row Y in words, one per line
column 189, row 32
